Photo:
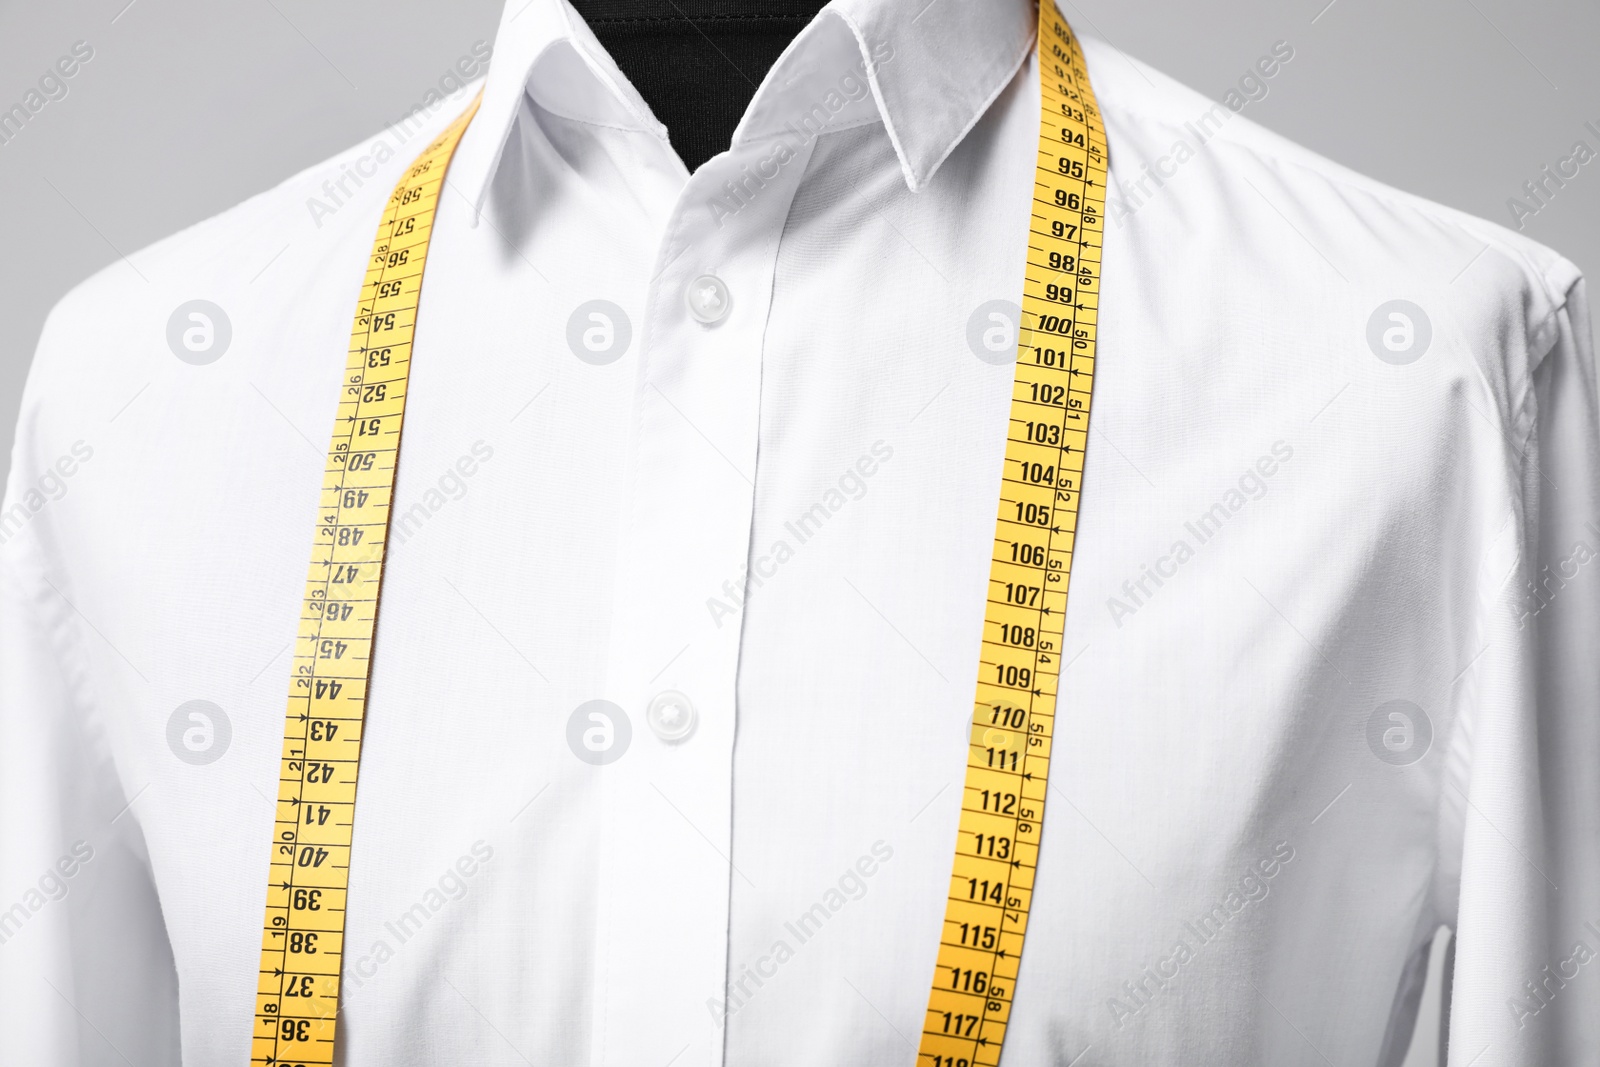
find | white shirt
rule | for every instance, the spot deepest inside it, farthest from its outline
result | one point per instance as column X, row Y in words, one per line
column 1302, row 504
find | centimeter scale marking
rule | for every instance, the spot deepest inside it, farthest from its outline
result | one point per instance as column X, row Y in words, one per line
column 991, row 884
column 1008, row 756
column 302, row 936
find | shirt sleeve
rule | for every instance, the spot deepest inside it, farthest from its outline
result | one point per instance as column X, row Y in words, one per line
column 1522, row 784
column 86, row 972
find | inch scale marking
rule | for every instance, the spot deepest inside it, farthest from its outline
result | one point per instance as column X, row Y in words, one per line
column 302, row 936
column 1013, row 725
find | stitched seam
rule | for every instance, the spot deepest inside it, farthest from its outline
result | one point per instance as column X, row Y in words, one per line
column 1388, row 197
column 1520, row 418
column 1539, row 278
column 580, row 120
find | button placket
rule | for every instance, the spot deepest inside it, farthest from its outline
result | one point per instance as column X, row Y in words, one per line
column 666, row 818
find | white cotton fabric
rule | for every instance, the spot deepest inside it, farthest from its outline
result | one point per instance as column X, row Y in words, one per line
column 787, row 517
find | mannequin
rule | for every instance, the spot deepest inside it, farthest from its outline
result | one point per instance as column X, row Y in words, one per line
column 697, row 62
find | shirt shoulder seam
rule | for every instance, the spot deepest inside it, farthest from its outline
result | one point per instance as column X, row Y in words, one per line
column 1553, row 290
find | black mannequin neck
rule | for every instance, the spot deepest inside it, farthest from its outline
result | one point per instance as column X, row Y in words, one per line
column 697, row 62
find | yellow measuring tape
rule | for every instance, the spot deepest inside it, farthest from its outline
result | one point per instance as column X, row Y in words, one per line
column 302, row 937
column 1013, row 723
column 991, row 888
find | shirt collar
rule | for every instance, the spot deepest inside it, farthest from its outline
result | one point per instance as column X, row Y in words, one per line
column 932, row 69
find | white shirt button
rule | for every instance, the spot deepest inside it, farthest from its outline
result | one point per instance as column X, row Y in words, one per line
column 708, row 299
column 671, row 716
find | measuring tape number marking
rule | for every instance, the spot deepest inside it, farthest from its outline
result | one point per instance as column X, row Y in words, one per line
column 991, row 885
column 1013, row 724
column 302, row 936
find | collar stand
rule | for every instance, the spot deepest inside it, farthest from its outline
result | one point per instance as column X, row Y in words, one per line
column 931, row 70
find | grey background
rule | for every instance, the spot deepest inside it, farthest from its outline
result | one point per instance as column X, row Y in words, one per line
column 190, row 107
